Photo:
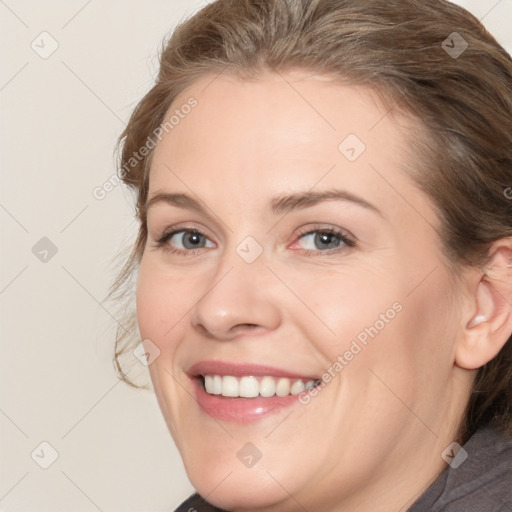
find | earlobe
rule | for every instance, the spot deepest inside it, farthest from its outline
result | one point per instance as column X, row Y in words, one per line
column 490, row 326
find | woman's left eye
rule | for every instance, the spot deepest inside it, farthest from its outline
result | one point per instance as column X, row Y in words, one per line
column 323, row 240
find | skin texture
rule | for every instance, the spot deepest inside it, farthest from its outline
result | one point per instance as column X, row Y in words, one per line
column 372, row 438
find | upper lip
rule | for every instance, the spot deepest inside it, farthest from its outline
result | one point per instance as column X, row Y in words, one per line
column 242, row 369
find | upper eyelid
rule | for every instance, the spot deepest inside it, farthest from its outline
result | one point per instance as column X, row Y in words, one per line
column 173, row 230
column 347, row 238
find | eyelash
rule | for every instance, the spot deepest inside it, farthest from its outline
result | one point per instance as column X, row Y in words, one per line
column 347, row 242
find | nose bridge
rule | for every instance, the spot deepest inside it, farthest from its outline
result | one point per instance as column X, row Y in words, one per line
column 238, row 295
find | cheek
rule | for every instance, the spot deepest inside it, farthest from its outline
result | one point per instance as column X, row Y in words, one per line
column 372, row 321
column 161, row 303
column 347, row 311
column 412, row 357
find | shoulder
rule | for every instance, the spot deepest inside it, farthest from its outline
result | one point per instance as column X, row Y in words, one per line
column 196, row 504
column 481, row 483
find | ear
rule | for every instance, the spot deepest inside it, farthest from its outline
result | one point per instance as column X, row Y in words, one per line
column 489, row 325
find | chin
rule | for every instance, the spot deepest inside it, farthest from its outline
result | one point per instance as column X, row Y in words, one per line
column 240, row 489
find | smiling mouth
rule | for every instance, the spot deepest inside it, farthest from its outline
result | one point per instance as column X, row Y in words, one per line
column 254, row 386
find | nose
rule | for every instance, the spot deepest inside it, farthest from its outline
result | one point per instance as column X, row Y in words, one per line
column 238, row 300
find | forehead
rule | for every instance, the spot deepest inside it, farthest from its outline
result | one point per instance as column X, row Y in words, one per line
column 279, row 133
column 283, row 111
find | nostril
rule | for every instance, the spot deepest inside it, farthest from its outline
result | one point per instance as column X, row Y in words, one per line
column 226, row 333
column 204, row 331
column 244, row 328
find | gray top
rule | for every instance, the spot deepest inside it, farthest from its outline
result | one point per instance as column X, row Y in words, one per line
column 481, row 483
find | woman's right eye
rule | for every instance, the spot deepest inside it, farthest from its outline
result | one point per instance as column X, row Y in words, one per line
column 185, row 240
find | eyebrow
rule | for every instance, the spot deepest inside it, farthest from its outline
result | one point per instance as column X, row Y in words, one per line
column 301, row 200
column 279, row 205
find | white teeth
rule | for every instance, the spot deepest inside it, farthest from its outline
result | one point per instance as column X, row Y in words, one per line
column 251, row 387
column 297, row 387
column 229, row 386
column 267, row 387
column 217, row 385
column 283, row 387
column 213, row 384
column 208, row 384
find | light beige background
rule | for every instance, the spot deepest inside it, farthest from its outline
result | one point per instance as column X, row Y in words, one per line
column 60, row 117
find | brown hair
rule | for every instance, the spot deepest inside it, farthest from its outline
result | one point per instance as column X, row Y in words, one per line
column 462, row 102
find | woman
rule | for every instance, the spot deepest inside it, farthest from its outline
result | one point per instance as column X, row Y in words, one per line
column 324, row 258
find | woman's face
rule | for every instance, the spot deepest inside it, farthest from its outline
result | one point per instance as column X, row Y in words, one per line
column 287, row 246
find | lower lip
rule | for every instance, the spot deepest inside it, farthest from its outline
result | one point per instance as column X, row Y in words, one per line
column 240, row 410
